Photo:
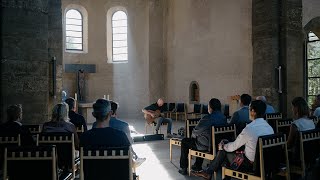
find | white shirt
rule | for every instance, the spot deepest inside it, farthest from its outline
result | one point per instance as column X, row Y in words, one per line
column 249, row 137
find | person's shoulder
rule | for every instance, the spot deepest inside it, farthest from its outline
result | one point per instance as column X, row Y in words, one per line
column 119, row 121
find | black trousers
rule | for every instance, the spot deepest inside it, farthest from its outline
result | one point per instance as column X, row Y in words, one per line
column 228, row 157
column 186, row 144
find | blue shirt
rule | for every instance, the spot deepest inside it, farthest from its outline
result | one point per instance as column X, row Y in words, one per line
column 317, row 112
column 240, row 118
column 270, row 109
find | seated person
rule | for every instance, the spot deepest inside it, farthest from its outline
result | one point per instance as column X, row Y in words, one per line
column 301, row 122
column 248, row 137
column 201, row 136
column 14, row 126
column 75, row 118
column 60, row 122
column 103, row 134
column 124, row 127
column 269, row 109
column 150, row 110
column 241, row 117
column 316, row 106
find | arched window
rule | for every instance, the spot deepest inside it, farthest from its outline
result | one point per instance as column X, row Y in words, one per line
column 313, row 66
column 194, row 92
column 119, row 37
column 74, row 30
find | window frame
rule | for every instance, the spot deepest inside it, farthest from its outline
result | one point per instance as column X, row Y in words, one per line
column 82, row 29
column 112, row 33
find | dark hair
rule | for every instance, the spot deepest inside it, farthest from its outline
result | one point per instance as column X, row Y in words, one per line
column 259, row 108
column 215, row 104
column 101, row 109
column 301, row 106
column 245, row 99
column 71, row 102
column 114, row 107
column 14, row 112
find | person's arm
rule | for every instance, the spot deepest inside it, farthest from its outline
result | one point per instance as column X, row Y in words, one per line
column 292, row 135
column 201, row 126
column 84, row 123
column 234, row 118
column 240, row 141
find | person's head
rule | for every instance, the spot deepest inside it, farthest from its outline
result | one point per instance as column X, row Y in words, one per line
column 316, row 102
column 245, row 99
column 71, row 103
column 262, row 98
column 160, row 102
column 257, row 109
column 114, row 107
column 300, row 107
column 63, row 95
column 14, row 112
column 102, row 110
column 214, row 105
column 60, row 112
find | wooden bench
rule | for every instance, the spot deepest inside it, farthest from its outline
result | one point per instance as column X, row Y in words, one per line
column 271, row 158
column 218, row 133
column 101, row 163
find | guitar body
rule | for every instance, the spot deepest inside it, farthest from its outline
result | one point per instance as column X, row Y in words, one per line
column 151, row 119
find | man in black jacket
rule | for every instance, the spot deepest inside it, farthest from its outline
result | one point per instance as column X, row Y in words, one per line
column 75, row 118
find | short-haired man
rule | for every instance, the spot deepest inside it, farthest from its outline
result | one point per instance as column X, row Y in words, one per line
column 241, row 117
column 158, row 106
column 75, row 118
column 103, row 134
column 269, row 109
column 248, row 137
column 201, row 135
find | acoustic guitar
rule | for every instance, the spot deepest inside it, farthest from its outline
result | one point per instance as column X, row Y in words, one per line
column 151, row 119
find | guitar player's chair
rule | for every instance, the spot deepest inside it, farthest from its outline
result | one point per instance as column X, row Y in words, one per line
column 153, row 127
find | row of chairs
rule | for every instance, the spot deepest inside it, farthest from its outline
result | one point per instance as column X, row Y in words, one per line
column 180, row 109
column 266, row 148
column 57, row 149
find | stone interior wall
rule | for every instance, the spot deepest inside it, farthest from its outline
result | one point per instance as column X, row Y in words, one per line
column 208, row 41
column 25, row 32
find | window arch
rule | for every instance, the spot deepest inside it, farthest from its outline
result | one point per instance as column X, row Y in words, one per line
column 194, row 96
column 119, row 36
column 74, row 30
column 313, row 66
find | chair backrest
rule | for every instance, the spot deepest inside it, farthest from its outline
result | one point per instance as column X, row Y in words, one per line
column 226, row 110
column 181, row 107
column 190, row 125
column 271, row 119
column 80, row 130
column 10, row 139
column 165, row 107
column 34, row 162
column 204, row 109
column 271, row 154
column 65, row 147
column 309, row 147
column 283, row 126
column 197, row 108
column 100, row 163
column 172, row 106
column 34, row 129
column 219, row 133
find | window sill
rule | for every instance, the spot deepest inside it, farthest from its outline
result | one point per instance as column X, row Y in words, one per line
column 76, row 52
column 117, row 62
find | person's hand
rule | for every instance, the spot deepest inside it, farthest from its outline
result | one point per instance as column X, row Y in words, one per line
column 153, row 115
column 220, row 146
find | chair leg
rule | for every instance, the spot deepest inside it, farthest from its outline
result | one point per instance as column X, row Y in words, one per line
column 189, row 164
column 170, row 151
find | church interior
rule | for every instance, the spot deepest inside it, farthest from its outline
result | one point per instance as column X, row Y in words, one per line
column 163, row 70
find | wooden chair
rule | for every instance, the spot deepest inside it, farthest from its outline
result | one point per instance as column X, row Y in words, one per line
column 283, row 126
column 11, row 140
column 171, row 109
column 100, row 163
column 196, row 111
column 34, row 129
column 181, row 110
column 80, row 131
column 309, row 150
column 190, row 125
column 65, row 149
column 270, row 159
column 165, row 110
column 36, row 163
column 271, row 119
column 218, row 133
column 153, row 126
column 204, row 110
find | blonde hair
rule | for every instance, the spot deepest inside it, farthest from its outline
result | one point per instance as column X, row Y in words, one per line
column 60, row 112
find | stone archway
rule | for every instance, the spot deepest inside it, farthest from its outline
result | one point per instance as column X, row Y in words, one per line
column 314, row 26
column 194, row 92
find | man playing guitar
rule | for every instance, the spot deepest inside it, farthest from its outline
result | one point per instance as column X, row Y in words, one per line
column 154, row 113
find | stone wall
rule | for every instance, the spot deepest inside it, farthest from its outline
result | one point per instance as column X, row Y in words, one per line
column 24, row 56
column 208, row 41
column 310, row 10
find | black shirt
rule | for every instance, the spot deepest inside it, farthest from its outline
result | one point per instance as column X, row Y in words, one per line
column 154, row 107
column 108, row 137
column 78, row 120
column 14, row 128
